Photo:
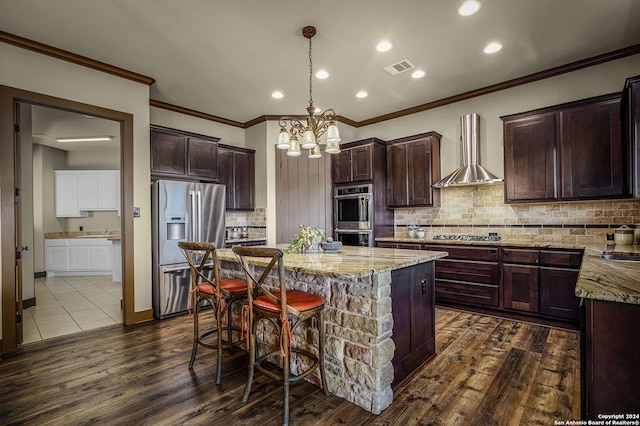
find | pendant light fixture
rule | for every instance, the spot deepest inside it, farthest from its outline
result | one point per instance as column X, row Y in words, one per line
column 291, row 128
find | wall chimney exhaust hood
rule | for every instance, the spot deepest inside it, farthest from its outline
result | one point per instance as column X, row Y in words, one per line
column 470, row 172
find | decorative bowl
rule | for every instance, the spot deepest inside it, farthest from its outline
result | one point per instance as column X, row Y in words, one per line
column 331, row 247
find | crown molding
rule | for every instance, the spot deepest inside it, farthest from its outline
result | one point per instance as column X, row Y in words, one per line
column 64, row 55
column 194, row 113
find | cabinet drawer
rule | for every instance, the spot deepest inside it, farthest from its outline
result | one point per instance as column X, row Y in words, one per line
column 475, row 272
column 475, row 294
column 487, row 254
column 570, row 259
column 520, row 256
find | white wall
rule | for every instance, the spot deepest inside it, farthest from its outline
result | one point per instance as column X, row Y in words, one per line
column 31, row 71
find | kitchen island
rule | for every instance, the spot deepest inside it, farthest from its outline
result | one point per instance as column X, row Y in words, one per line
column 379, row 314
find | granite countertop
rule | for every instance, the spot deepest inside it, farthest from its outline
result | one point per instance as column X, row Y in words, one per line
column 350, row 262
column 111, row 235
column 599, row 279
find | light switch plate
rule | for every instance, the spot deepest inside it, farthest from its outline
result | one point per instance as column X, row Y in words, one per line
column 136, row 212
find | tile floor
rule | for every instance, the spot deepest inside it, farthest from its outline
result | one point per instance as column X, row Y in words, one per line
column 66, row 305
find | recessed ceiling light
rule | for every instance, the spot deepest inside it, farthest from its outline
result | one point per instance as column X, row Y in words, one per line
column 277, row 95
column 492, row 47
column 417, row 74
column 384, row 46
column 469, row 8
column 86, row 139
column 317, row 110
column 362, row 94
column 322, row 74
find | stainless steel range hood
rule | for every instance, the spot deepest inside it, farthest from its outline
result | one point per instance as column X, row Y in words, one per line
column 470, row 172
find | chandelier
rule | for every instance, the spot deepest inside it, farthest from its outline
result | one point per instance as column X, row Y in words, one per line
column 315, row 127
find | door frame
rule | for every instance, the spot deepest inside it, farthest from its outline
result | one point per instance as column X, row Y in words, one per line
column 9, row 96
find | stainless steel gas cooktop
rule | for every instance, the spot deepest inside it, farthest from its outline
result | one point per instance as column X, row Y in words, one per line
column 466, row 237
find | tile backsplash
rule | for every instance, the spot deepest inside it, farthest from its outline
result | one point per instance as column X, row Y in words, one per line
column 255, row 221
column 480, row 209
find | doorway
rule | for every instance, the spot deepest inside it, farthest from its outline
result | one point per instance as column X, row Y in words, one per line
column 11, row 243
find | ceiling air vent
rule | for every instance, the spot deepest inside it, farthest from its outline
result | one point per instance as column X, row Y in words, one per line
column 399, row 67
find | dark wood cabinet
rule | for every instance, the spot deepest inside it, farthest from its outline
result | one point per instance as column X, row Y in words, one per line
column 541, row 282
column 413, row 165
column 468, row 275
column 523, row 283
column 610, row 359
column 179, row 154
column 573, row 151
column 353, row 164
column 592, row 155
column 412, row 305
column 631, row 128
column 236, row 168
column 529, row 158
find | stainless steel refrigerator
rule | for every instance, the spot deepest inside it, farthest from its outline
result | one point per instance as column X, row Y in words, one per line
column 182, row 211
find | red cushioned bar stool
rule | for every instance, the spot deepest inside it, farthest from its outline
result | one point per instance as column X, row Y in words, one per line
column 285, row 310
column 221, row 294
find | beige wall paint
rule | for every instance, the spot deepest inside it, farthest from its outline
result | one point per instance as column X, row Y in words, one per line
column 593, row 81
column 229, row 135
column 42, row 74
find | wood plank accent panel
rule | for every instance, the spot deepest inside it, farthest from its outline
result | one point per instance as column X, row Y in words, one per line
column 487, row 371
column 303, row 194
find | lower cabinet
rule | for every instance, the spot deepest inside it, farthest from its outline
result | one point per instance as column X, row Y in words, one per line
column 412, row 304
column 523, row 283
column 610, row 359
column 469, row 275
column 541, row 282
column 78, row 256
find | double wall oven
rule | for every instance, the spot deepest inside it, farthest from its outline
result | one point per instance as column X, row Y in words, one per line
column 353, row 215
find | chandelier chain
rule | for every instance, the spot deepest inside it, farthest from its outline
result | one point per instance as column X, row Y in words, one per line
column 310, row 74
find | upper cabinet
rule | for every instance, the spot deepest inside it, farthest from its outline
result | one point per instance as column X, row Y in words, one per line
column 573, row 151
column 413, row 166
column 78, row 192
column 236, row 169
column 180, row 154
column 631, row 127
column 353, row 164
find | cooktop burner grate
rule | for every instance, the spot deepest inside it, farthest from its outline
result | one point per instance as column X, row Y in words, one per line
column 466, row 237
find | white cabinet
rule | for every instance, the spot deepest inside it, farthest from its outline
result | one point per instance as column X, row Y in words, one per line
column 78, row 256
column 66, row 195
column 81, row 191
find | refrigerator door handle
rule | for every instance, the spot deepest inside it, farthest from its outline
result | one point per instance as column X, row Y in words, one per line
column 192, row 228
column 199, row 216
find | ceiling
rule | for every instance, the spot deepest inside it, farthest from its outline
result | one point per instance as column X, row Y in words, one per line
column 225, row 58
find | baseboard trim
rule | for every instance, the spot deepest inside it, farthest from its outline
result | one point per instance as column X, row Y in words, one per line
column 29, row 303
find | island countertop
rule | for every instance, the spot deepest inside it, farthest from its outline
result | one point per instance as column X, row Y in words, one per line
column 350, row 262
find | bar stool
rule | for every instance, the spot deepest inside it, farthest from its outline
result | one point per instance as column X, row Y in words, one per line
column 285, row 310
column 221, row 294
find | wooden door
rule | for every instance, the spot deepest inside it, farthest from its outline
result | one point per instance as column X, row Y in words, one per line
column 529, row 158
column 244, row 180
column 557, row 297
column 397, row 175
column 419, row 173
column 202, row 161
column 342, row 166
column 592, row 157
column 362, row 163
column 520, row 286
column 168, row 153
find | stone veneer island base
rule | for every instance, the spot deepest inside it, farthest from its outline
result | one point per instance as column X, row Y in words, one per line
column 379, row 315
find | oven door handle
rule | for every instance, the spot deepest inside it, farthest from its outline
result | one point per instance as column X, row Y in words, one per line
column 352, row 196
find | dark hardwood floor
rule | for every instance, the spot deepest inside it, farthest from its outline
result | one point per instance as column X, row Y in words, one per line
column 488, row 371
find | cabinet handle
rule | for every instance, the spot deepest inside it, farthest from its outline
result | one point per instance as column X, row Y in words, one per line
column 424, row 286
